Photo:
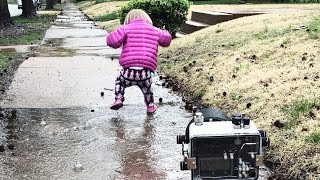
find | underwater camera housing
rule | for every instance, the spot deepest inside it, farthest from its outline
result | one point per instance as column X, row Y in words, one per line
column 218, row 147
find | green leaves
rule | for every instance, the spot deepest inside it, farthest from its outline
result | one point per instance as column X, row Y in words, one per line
column 168, row 13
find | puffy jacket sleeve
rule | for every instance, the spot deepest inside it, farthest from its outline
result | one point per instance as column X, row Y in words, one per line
column 116, row 38
column 165, row 38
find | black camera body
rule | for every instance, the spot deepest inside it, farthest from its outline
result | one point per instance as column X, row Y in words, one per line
column 218, row 147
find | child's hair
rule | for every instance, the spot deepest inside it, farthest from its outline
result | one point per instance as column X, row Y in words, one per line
column 137, row 14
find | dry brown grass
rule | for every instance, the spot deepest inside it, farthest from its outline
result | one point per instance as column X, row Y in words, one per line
column 256, row 7
column 94, row 10
column 263, row 61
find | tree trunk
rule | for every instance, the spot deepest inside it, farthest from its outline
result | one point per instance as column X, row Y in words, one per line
column 5, row 19
column 28, row 9
column 50, row 4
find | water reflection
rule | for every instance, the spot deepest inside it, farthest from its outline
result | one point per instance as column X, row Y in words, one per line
column 135, row 151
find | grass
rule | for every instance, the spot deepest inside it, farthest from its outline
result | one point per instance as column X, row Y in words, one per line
column 266, row 61
column 107, row 17
column 32, row 33
column 215, row 2
column 59, row 6
column 7, row 59
column 314, row 138
column 314, row 29
column 298, row 109
column 4, row 59
column 12, row 1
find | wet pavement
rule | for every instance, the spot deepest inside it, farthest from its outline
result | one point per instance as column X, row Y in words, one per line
column 60, row 126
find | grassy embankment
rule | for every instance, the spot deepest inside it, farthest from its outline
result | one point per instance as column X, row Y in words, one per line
column 266, row 66
column 27, row 32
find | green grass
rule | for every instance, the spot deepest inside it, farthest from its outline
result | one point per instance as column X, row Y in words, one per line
column 299, row 109
column 59, row 6
column 102, row 1
column 32, row 34
column 12, row 1
column 216, row 2
column 108, row 17
column 32, row 37
column 314, row 29
column 5, row 58
column 314, row 138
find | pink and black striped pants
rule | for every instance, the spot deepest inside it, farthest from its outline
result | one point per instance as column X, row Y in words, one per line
column 135, row 77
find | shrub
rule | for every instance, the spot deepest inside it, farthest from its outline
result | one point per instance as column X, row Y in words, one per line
column 168, row 13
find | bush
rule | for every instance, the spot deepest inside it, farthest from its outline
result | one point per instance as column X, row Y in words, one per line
column 168, row 13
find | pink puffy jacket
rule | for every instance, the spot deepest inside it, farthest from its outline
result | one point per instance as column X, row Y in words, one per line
column 140, row 42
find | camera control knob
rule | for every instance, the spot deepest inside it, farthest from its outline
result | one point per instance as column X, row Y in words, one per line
column 236, row 120
column 231, row 156
column 198, row 119
column 246, row 122
column 225, row 157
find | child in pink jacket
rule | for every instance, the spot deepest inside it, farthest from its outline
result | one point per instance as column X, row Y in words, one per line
column 140, row 41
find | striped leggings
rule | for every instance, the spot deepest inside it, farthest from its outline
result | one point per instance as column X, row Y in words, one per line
column 135, row 77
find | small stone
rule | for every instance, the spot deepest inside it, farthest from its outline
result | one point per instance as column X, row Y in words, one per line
column 304, row 58
column 92, row 110
column 254, row 57
column 194, row 62
column 5, row 70
column 102, row 94
column 43, row 123
column 211, row 79
column 234, row 76
column 2, row 149
column 278, row 124
column 305, row 78
column 224, row 94
column 160, row 100
column 248, row 105
column 304, row 129
column 312, row 115
column 190, row 64
column 14, row 114
column 11, row 147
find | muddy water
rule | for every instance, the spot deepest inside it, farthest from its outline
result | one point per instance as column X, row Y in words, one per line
column 57, row 125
